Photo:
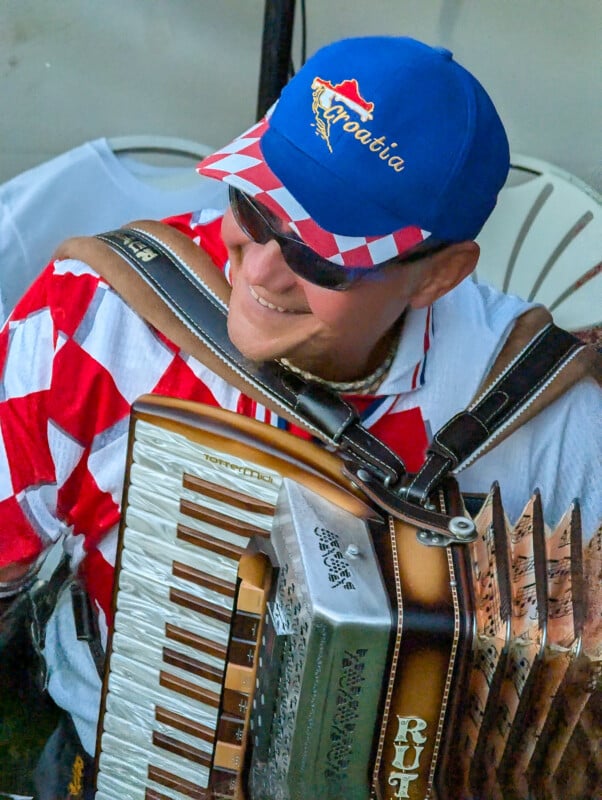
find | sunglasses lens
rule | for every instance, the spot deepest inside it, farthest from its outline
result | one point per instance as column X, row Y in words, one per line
column 302, row 260
column 248, row 218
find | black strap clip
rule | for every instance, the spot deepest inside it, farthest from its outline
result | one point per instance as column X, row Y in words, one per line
column 86, row 624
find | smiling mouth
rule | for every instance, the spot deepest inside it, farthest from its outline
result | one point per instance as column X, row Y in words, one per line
column 271, row 306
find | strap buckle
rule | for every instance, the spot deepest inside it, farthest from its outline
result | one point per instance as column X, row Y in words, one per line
column 434, row 528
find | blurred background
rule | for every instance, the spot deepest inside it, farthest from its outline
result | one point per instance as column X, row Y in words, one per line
column 107, row 106
column 75, row 70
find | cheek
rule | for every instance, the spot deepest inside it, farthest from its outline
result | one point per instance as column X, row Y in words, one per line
column 361, row 308
column 325, row 305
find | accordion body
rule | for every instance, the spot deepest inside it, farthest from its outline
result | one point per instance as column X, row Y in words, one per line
column 277, row 638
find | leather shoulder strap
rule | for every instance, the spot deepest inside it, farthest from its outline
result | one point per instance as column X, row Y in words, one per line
column 519, row 385
column 111, row 259
column 173, row 284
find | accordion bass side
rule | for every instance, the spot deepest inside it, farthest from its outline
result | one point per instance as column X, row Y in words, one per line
column 276, row 637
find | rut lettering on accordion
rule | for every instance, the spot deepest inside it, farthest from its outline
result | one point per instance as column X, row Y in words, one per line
column 275, row 637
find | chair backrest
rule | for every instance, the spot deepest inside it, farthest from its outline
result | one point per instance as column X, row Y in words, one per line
column 543, row 242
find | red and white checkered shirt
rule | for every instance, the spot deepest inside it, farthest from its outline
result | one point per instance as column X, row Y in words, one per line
column 74, row 357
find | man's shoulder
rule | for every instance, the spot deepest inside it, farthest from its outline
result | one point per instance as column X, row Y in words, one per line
column 204, row 228
column 473, row 307
column 470, row 326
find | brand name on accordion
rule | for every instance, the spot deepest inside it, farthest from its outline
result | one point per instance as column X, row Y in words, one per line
column 409, row 744
column 248, row 472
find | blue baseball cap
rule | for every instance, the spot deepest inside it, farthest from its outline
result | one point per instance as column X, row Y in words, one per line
column 377, row 142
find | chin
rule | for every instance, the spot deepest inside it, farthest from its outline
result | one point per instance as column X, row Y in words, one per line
column 252, row 344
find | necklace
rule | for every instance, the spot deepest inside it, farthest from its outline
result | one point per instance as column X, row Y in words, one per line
column 360, row 386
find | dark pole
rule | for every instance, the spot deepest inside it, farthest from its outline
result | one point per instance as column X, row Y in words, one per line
column 278, row 21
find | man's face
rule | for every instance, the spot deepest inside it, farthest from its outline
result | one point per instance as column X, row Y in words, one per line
column 274, row 313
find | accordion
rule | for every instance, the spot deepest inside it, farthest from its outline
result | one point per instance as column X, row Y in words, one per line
column 276, row 636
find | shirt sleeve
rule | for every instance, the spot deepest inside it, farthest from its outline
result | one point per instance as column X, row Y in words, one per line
column 65, row 395
column 28, row 343
column 73, row 358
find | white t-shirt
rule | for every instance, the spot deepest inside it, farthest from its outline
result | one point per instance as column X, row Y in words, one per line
column 81, row 192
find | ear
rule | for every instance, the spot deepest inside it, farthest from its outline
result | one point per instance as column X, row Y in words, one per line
column 443, row 271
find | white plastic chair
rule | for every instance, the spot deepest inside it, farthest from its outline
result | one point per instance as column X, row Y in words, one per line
column 543, row 242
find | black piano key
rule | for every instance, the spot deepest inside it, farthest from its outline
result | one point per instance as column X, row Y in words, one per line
column 207, row 542
column 231, row 729
column 245, row 626
column 174, row 683
column 181, row 749
column 219, row 520
column 184, row 724
column 212, row 582
column 224, row 784
column 195, row 641
column 171, row 781
column 229, row 496
column 192, row 665
column 242, row 652
column 153, row 794
column 203, row 607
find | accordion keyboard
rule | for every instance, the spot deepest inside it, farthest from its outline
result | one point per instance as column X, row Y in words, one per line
column 189, row 609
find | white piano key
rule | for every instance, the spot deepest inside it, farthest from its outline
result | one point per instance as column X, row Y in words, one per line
column 173, row 454
column 244, row 515
column 128, row 769
column 156, row 539
column 125, row 721
column 148, row 718
column 166, row 492
column 110, row 788
column 126, row 761
column 138, row 651
column 147, row 569
column 157, row 639
column 140, row 684
column 161, row 507
column 150, row 601
column 149, row 472
column 154, row 631
column 172, row 794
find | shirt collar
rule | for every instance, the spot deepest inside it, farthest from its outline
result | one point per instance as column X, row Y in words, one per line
column 407, row 372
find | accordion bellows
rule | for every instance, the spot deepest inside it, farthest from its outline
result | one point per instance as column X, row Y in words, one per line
column 276, row 638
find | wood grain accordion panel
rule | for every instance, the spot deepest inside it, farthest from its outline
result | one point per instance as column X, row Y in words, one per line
column 276, row 637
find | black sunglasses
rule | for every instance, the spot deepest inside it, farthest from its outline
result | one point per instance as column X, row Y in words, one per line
column 260, row 225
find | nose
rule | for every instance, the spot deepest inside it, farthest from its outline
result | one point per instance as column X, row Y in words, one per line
column 261, row 264
column 264, row 265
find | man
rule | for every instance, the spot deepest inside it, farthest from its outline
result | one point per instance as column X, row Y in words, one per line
column 348, row 242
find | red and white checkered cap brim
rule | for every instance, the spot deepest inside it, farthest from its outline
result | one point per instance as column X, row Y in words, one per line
column 242, row 165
